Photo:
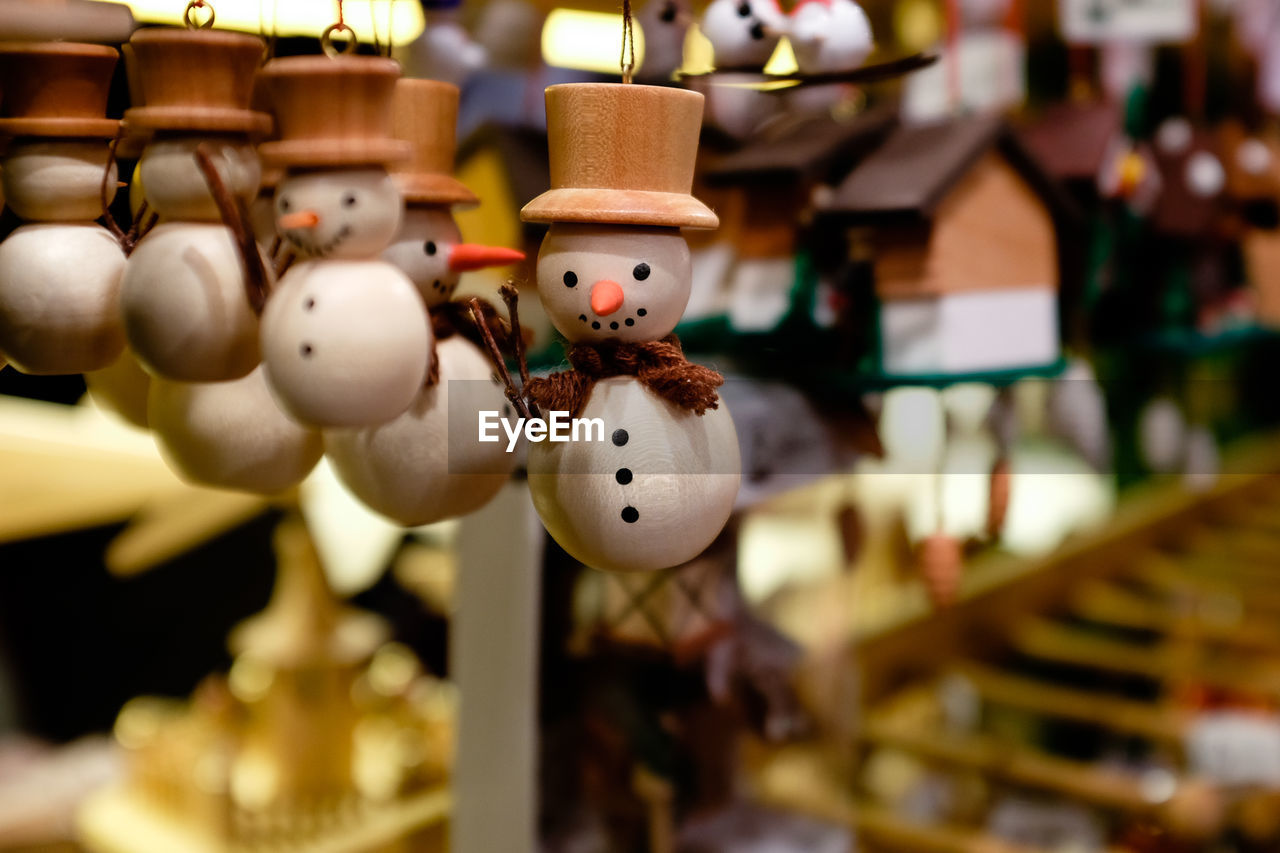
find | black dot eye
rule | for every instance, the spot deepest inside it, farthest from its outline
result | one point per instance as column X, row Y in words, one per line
column 668, row 13
column 349, row 200
column 430, row 247
column 641, row 272
column 570, row 279
column 757, row 31
column 284, row 205
column 744, row 10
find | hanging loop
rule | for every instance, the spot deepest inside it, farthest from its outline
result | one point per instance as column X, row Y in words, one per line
column 326, row 40
column 188, row 16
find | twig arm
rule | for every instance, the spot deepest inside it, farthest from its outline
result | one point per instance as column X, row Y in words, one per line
column 255, row 273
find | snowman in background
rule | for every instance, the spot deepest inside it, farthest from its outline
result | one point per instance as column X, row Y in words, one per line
column 428, row 464
column 186, row 313
column 665, row 24
column 828, row 36
column 445, row 50
column 613, row 275
column 983, row 70
column 346, row 340
column 743, row 36
column 59, row 271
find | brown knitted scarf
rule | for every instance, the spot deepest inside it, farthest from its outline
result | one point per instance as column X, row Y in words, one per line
column 659, row 365
column 454, row 318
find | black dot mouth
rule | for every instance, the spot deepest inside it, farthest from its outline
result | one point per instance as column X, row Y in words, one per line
column 299, row 238
column 614, row 325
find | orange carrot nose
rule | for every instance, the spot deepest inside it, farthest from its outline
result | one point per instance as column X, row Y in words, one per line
column 301, row 219
column 472, row 256
column 606, row 297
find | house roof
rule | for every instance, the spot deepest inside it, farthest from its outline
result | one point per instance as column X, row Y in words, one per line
column 804, row 148
column 1071, row 139
column 918, row 165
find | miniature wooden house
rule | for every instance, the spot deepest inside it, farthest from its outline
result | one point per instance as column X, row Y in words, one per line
column 965, row 230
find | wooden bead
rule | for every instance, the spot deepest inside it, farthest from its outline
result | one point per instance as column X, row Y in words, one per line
column 231, row 435
column 743, row 41
column 345, row 343
column 59, row 298
column 122, row 387
column 428, row 464
column 186, row 313
column 57, row 180
column 654, row 494
column 339, row 213
column 626, row 283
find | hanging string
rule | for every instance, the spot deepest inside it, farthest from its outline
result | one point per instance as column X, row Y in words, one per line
column 391, row 23
column 339, row 26
column 628, row 58
column 190, row 21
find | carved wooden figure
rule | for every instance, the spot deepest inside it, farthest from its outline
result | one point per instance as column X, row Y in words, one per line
column 60, row 271
column 743, row 36
column 346, row 339
column 428, row 464
column 185, row 309
column 613, row 275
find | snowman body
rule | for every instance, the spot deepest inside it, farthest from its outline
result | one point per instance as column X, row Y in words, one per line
column 345, row 343
column 230, row 434
column 429, row 464
column 346, row 338
column 654, row 494
column 661, row 485
column 186, row 312
column 59, row 273
column 743, row 36
column 121, row 387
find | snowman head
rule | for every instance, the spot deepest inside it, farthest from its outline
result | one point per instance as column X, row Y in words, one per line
column 830, row 35
column 429, row 250
column 56, row 180
column 743, row 33
column 175, row 187
column 620, row 282
column 338, row 213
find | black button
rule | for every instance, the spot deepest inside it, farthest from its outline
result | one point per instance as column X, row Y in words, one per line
column 623, row 476
column 630, row 514
column 620, row 437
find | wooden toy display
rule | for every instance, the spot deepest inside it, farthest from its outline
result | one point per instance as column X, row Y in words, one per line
column 186, row 314
column 613, row 276
column 428, row 463
column 60, row 271
column 346, row 340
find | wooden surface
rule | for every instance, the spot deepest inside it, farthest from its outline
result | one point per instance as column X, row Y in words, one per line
column 425, row 114
column 332, row 111
column 992, row 231
column 195, row 80
column 622, row 154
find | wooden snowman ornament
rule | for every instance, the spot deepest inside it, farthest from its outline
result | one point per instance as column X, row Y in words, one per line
column 614, row 277
column 428, row 464
column 743, row 36
column 186, row 312
column 346, row 339
column 59, row 271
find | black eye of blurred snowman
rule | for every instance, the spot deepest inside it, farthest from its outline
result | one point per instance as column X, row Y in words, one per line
column 602, row 282
column 352, row 213
column 423, row 249
column 743, row 33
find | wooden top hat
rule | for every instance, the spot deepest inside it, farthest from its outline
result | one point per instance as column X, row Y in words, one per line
column 622, row 153
column 56, row 89
column 332, row 111
column 197, row 80
column 426, row 116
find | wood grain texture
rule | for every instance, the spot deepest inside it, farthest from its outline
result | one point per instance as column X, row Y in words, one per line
column 425, row 114
column 992, row 231
column 622, row 154
column 333, row 111
column 194, row 80
column 56, row 89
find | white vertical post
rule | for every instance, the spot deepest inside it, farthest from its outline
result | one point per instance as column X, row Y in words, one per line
column 494, row 662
